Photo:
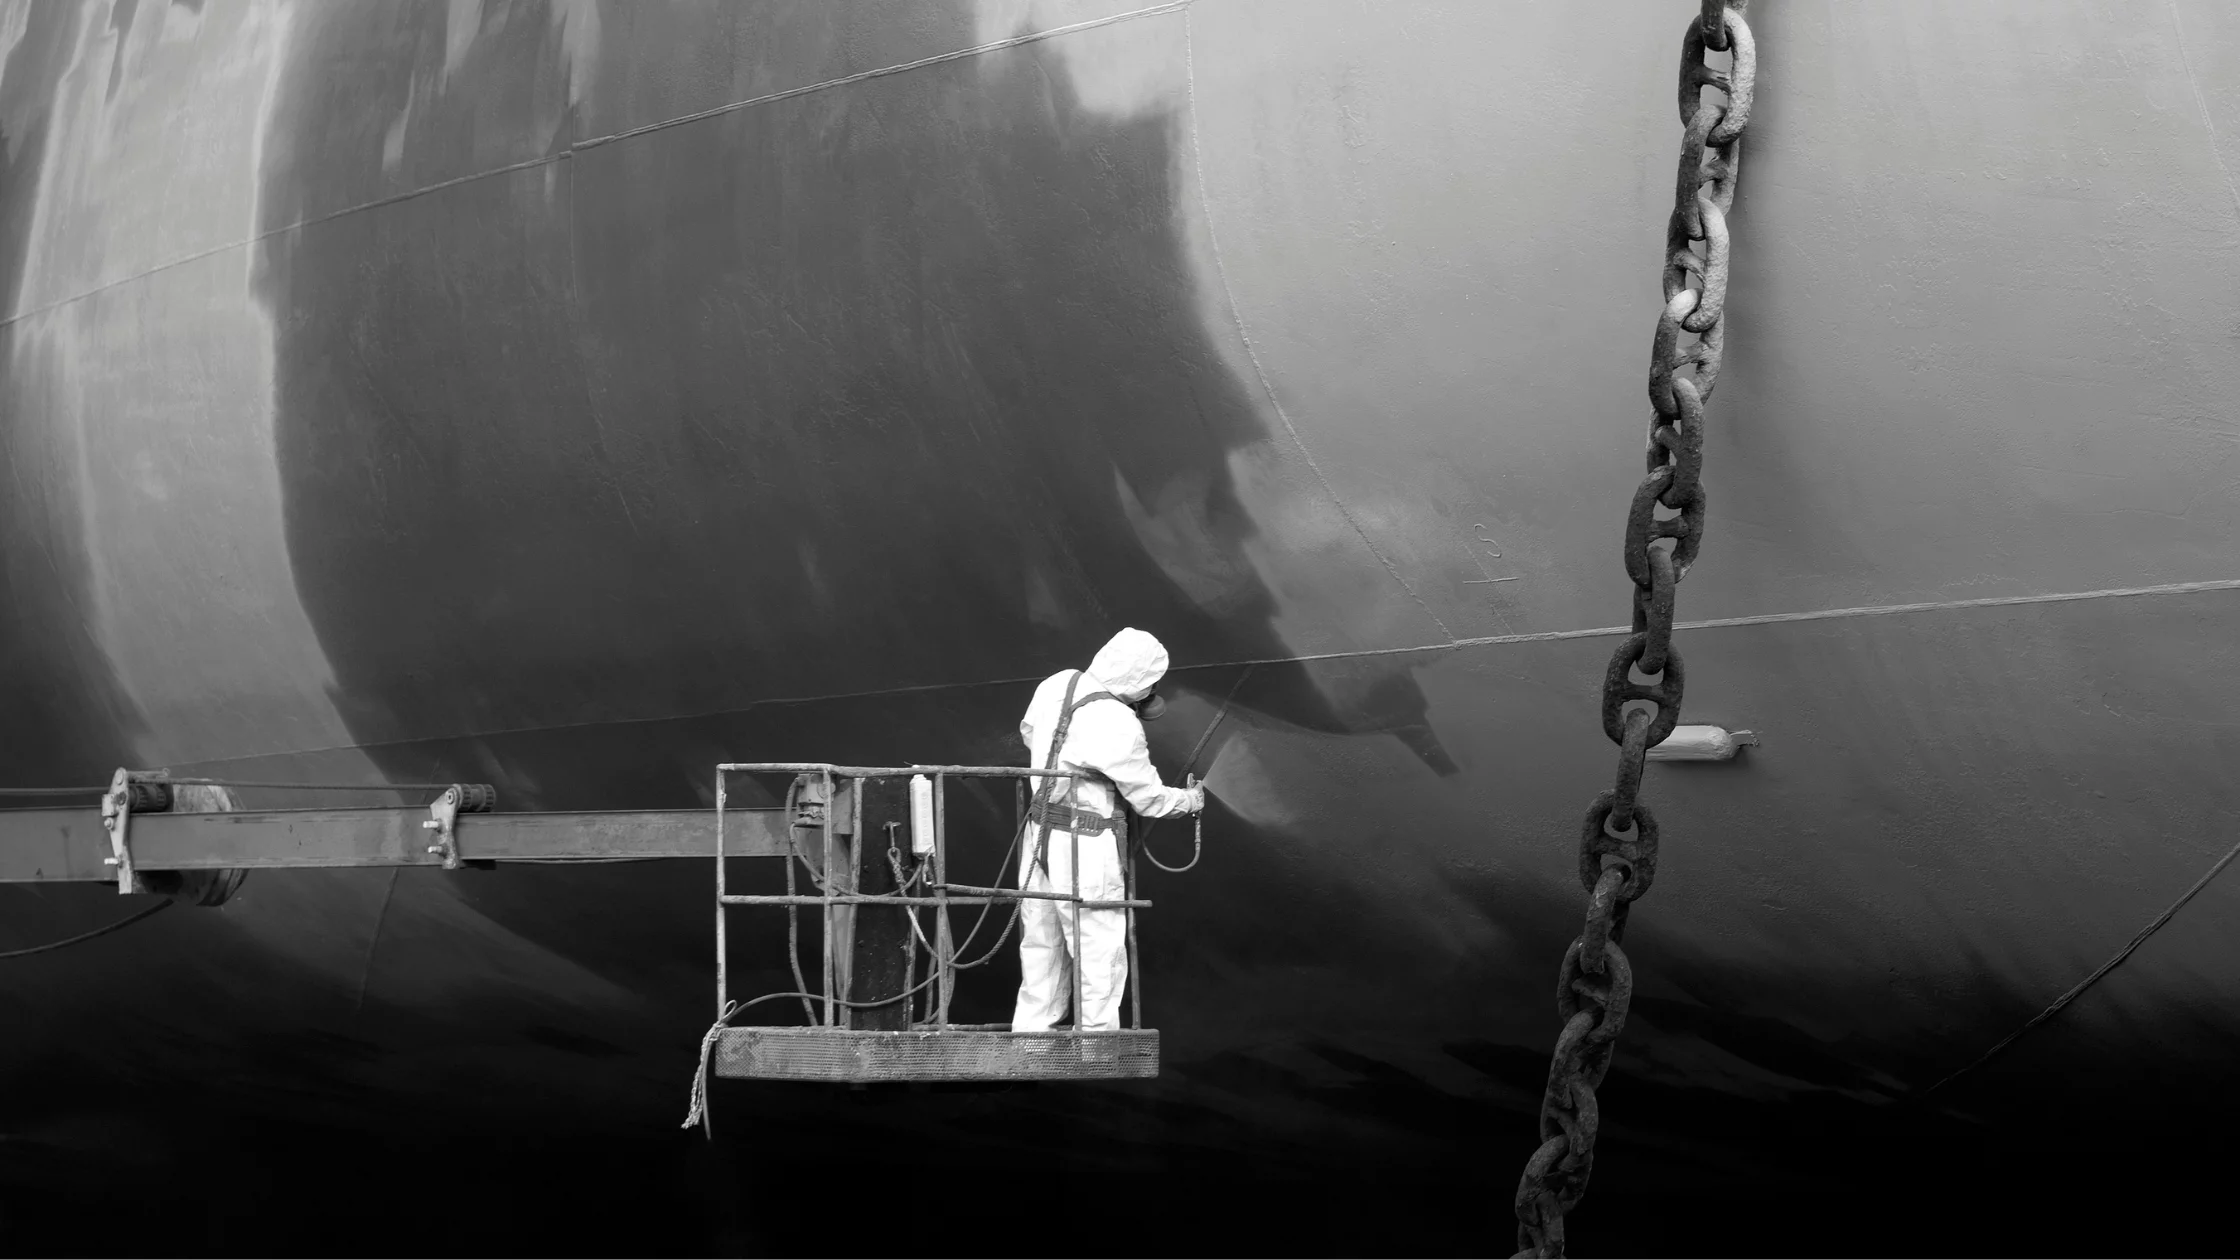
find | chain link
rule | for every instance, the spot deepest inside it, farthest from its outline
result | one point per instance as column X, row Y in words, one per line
column 1618, row 837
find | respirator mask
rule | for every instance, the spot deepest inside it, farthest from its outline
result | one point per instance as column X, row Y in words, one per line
column 1151, row 708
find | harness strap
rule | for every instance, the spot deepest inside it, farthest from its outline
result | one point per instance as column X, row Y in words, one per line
column 1081, row 822
column 1042, row 807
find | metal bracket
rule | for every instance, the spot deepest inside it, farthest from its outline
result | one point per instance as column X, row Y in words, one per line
column 809, row 804
column 149, row 793
column 444, row 813
column 459, row 798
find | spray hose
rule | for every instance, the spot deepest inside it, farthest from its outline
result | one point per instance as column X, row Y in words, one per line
column 1190, row 779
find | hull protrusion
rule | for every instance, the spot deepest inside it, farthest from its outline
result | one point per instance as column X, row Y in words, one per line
column 1701, row 743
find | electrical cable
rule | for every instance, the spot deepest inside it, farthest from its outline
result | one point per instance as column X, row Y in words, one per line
column 793, row 912
column 793, row 955
column 82, row 937
column 1003, row 864
column 2078, row 989
column 1011, row 920
column 698, row 1114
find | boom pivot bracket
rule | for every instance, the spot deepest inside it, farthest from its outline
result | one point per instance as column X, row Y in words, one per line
column 443, row 819
column 130, row 791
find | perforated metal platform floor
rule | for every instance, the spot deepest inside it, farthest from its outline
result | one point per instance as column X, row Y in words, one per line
column 839, row 1054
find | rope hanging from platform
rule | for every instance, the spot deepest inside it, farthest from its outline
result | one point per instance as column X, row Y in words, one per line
column 698, row 1113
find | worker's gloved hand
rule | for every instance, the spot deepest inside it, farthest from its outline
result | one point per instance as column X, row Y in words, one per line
column 1197, row 803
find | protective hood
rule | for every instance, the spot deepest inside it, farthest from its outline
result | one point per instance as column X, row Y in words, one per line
column 1131, row 665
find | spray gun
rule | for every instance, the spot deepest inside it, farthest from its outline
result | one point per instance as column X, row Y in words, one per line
column 1197, row 836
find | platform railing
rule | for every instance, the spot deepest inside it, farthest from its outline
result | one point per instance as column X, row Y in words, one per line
column 841, row 789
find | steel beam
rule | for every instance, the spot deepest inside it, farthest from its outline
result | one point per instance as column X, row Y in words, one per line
column 69, row 845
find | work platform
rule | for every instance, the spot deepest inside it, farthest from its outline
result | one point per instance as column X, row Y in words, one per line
column 866, row 1021
column 872, row 842
column 852, row 1056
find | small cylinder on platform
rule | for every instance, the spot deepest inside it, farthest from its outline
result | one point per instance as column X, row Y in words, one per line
column 921, row 815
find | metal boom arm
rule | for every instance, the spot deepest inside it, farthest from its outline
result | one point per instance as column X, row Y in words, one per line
column 71, row 846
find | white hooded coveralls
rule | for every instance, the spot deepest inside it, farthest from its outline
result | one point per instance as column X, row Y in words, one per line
column 1106, row 738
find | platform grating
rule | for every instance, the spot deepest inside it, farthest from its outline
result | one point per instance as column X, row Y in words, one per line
column 840, row 1054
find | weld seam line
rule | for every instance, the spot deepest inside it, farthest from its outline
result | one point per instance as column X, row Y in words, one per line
column 960, row 54
column 1252, row 352
column 576, row 147
column 1496, row 640
column 2201, row 102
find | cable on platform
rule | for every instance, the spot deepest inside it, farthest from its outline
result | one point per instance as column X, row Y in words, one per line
column 698, row 1112
column 793, row 912
column 82, row 937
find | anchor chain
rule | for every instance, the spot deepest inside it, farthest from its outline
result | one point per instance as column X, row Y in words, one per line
column 1618, row 837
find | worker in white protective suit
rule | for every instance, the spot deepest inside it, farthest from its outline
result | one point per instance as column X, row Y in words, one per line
column 1087, row 722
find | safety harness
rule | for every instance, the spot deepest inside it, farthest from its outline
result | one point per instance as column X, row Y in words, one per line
column 1065, row 816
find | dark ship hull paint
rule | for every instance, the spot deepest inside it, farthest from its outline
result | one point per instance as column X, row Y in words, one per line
column 445, row 391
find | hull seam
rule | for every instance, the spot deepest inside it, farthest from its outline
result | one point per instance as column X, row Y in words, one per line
column 577, row 146
column 1252, row 352
column 1496, row 640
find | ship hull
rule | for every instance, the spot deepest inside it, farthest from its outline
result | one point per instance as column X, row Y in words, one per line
column 571, row 397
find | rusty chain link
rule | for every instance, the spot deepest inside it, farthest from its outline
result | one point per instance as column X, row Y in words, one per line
column 1618, row 838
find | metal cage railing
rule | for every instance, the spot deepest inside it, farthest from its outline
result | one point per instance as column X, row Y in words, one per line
column 824, row 810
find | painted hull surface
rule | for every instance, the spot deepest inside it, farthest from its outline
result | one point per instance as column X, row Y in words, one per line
column 573, row 395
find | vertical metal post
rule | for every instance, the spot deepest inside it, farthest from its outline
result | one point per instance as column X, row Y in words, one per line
column 910, row 938
column 847, row 987
column 723, row 952
column 1075, row 837
column 831, row 976
column 1135, row 965
column 945, row 980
